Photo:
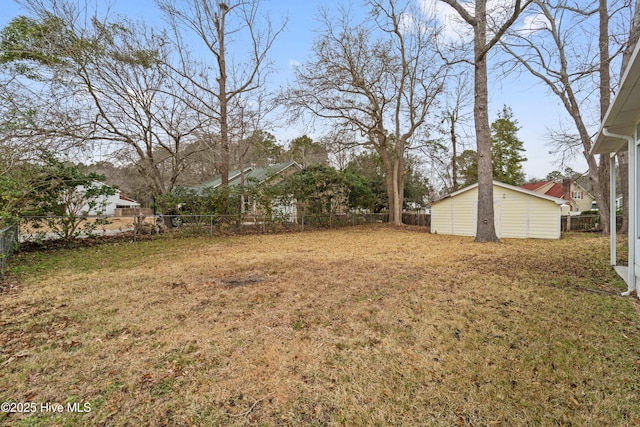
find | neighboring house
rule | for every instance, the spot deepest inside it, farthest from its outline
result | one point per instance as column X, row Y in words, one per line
column 620, row 131
column 107, row 205
column 413, row 207
column 271, row 175
column 519, row 213
column 576, row 197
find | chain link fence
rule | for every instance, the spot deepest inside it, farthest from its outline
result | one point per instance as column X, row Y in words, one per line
column 40, row 229
column 8, row 243
column 226, row 225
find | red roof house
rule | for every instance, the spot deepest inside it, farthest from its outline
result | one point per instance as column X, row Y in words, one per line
column 576, row 196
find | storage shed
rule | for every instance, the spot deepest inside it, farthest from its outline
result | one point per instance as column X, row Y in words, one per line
column 519, row 213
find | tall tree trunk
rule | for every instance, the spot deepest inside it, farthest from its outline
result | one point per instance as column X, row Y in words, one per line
column 389, row 167
column 152, row 173
column 454, row 160
column 485, row 230
column 223, row 97
column 394, row 181
column 399, row 146
column 395, row 211
column 399, row 188
column 623, row 171
column 401, row 179
column 603, row 179
column 605, row 100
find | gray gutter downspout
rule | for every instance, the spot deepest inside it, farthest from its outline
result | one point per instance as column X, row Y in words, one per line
column 631, row 278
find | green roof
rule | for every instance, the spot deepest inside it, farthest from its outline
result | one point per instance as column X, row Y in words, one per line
column 252, row 175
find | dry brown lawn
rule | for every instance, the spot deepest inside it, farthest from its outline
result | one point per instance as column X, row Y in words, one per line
column 365, row 326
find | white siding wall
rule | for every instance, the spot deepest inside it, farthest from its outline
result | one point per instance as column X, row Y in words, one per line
column 455, row 215
column 106, row 205
column 545, row 220
column 526, row 216
column 518, row 215
column 514, row 213
column 441, row 217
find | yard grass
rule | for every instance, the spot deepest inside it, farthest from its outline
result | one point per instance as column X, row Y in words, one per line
column 363, row 326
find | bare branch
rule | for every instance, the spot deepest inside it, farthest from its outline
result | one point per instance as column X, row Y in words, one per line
column 379, row 78
column 469, row 18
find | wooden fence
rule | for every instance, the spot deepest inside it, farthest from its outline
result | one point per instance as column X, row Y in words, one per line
column 585, row 223
column 416, row 219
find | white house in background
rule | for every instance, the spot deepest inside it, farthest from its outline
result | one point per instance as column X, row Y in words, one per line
column 519, row 213
column 107, row 205
column 620, row 131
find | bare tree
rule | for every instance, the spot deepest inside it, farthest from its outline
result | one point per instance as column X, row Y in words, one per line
column 25, row 102
column 605, row 100
column 485, row 231
column 550, row 50
column 456, row 117
column 140, row 107
column 341, row 147
column 235, row 74
column 110, row 83
column 377, row 79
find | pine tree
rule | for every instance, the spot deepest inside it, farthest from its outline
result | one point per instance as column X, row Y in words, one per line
column 468, row 167
column 507, row 149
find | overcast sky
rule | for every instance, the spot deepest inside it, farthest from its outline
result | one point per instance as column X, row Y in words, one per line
column 536, row 111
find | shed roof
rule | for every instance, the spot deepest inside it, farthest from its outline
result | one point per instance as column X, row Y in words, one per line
column 508, row 187
column 624, row 111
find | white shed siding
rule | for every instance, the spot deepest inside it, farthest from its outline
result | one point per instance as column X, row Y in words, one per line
column 518, row 214
column 545, row 220
column 455, row 215
column 514, row 213
column 442, row 217
column 463, row 214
